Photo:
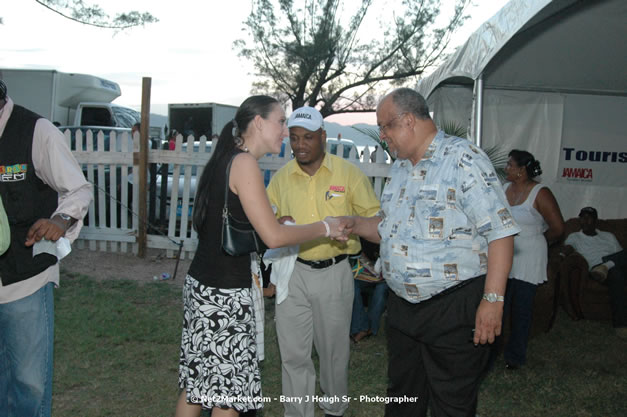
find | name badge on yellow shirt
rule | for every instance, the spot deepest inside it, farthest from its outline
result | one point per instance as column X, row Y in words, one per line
column 335, row 191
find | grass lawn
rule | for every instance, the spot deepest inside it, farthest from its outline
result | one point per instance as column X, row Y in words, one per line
column 117, row 346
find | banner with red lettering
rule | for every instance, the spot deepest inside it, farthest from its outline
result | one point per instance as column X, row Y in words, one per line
column 593, row 149
column 585, row 165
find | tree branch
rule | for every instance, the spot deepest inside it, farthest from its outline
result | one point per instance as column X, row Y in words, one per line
column 314, row 56
column 132, row 18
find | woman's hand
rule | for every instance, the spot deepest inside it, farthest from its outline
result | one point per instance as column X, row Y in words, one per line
column 339, row 229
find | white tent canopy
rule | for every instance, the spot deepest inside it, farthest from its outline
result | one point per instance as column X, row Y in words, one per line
column 549, row 77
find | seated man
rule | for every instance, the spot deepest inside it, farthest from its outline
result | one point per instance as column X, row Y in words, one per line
column 367, row 279
column 606, row 260
column 365, row 324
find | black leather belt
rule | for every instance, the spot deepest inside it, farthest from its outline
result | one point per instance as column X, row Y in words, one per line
column 325, row 263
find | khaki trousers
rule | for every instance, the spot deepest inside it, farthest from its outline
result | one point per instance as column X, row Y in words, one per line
column 317, row 309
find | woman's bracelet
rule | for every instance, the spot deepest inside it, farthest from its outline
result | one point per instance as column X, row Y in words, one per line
column 326, row 226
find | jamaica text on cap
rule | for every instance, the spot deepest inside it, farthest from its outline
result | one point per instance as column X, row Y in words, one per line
column 306, row 117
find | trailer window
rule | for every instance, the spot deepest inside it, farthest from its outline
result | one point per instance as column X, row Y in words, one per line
column 96, row 116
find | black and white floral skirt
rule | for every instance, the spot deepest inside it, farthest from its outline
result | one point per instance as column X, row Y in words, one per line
column 218, row 366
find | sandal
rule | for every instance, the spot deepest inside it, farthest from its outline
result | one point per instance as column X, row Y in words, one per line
column 357, row 337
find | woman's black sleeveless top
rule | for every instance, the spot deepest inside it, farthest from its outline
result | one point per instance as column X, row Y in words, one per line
column 211, row 265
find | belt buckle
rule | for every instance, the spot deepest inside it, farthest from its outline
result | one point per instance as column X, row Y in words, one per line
column 324, row 263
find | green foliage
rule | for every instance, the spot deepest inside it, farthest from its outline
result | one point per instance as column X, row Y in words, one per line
column 324, row 53
column 497, row 155
column 374, row 134
column 94, row 15
column 451, row 127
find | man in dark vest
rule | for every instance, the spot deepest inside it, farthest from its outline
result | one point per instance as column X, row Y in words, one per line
column 45, row 196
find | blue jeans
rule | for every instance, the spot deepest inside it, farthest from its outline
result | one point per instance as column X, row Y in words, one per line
column 519, row 302
column 362, row 321
column 26, row 343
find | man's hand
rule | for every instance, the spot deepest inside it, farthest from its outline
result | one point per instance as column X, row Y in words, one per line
column 270, row 291
column 341, row 227
column 488, row 322
column 366, row 227
column 347, row 223
column 50, row 229
column 284, row 219
column 337, row 228
column 489, row 315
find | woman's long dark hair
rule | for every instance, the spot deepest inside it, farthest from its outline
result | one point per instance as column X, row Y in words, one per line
column 525, row 159
column 227, row 145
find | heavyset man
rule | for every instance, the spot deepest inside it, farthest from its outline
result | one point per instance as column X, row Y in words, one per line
column 446, row 243
column 320, row 290
column 45, row 196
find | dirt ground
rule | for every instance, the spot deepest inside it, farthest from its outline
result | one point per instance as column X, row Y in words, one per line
column 115, row 265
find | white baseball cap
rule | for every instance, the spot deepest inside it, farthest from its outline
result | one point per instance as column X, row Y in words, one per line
column 306, row 117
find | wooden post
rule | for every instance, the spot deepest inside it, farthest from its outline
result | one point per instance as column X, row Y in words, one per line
column 143, row 168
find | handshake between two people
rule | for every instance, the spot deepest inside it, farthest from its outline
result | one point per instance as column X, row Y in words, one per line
column 340, row 227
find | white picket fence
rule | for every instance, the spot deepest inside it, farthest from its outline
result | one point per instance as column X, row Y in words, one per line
column 111, row 163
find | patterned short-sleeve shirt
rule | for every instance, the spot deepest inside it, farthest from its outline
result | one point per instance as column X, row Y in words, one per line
column 438, row 218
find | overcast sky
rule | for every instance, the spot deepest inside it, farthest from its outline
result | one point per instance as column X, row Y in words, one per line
column 188, row 54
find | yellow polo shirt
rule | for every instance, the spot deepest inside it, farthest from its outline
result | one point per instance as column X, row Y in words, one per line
column 338, row 188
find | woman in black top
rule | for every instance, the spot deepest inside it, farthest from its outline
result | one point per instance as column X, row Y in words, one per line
column 218, row 364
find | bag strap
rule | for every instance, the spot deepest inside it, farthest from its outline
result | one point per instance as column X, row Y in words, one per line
column 225, row 209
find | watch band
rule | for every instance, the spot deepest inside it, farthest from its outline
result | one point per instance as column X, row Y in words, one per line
column 493, row 297
column 65, row 217
column 66, row 220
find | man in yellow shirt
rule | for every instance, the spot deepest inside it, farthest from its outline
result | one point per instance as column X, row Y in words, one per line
column 320, row 291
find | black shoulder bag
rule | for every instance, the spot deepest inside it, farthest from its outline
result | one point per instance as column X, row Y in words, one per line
column 238, row 237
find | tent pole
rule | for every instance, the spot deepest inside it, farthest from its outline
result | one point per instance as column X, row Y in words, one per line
column 478, row 109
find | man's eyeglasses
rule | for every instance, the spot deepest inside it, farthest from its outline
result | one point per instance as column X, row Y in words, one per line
column 384, row 127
